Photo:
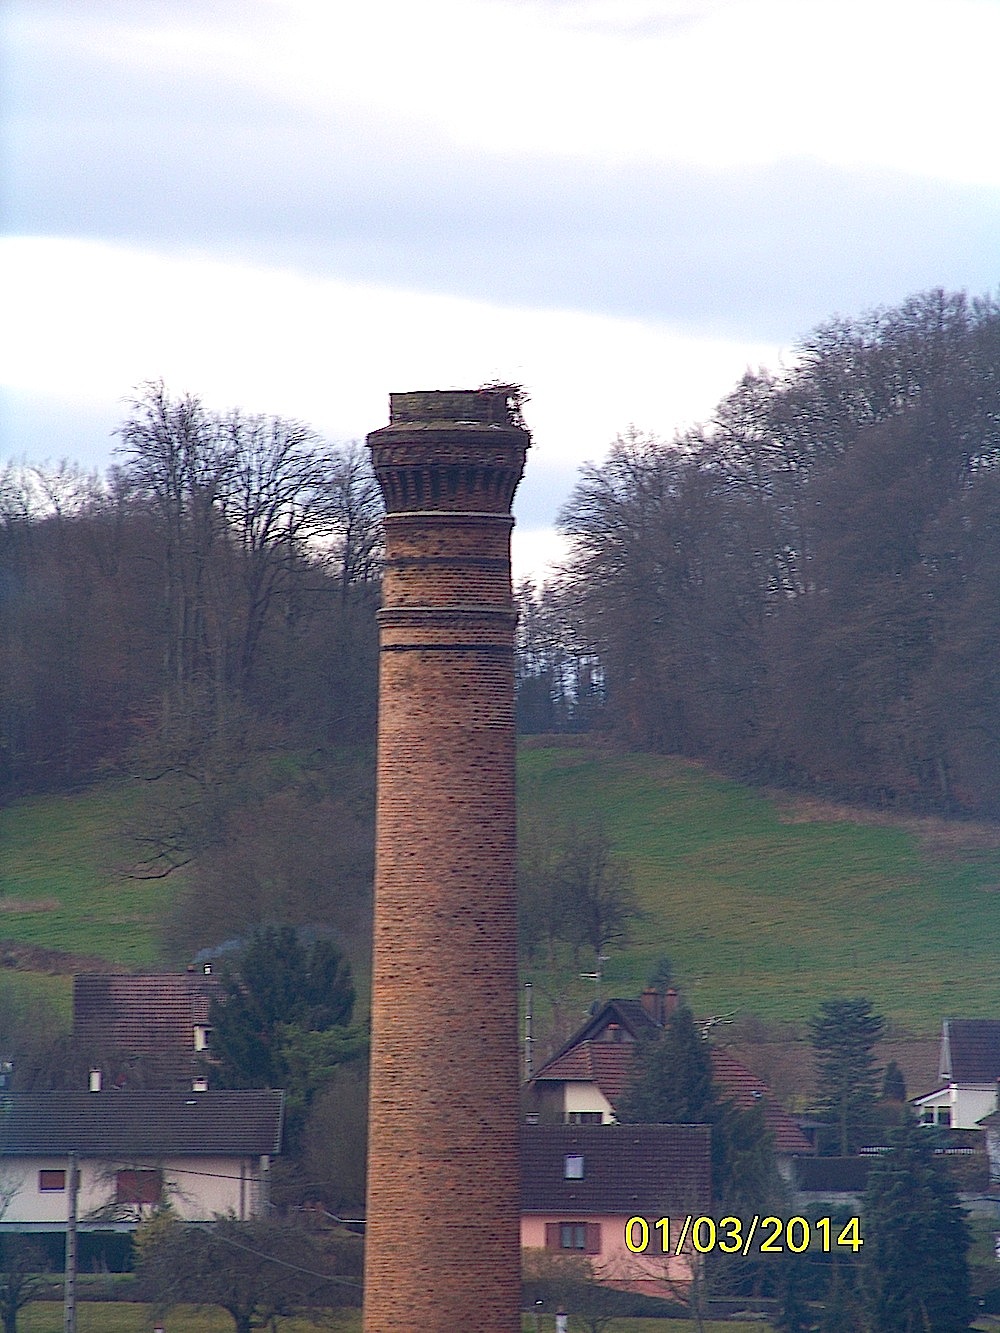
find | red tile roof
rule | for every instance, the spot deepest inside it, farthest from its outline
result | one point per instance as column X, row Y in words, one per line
column 149, row 1016
column 591, row 1058
column 744, row 1090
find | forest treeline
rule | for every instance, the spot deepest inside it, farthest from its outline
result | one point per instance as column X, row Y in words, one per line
column 805, row 590
column 225, row 569
column 201, row 610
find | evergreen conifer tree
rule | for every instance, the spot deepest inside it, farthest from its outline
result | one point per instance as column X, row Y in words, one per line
column 916, row 1242
column 672, row 1085
column 671, row 1077
column 844, row 1034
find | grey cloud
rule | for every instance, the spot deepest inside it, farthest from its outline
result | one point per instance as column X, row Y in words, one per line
column 99, row 150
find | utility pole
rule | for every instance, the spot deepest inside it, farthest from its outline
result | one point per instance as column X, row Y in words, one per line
column 69, row 1302
column 528, row 1037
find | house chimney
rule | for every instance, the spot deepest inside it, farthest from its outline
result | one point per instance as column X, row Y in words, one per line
column 95, row 1080
column 670, row 1002
column 652, row 1002
column 442, row 1245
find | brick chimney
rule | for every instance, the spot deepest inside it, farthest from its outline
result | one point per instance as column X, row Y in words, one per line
column 652, row 1002
column 442, row 1238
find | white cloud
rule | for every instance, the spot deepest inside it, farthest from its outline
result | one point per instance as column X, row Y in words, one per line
column 885, row 84
column 87, row 321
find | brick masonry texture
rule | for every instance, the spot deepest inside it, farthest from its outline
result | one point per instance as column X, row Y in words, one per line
column 442, row 1251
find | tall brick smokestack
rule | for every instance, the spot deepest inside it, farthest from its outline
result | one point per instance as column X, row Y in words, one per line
column 442, row 1248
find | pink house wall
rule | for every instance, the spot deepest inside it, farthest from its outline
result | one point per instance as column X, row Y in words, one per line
column 652, row 1273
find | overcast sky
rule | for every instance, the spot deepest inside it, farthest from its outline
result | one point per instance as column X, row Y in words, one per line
column 298, row 206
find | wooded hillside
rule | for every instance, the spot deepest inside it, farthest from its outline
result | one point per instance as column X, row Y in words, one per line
column 805, row 590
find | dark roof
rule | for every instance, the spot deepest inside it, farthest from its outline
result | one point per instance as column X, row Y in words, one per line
column 844, row 1175
column 596, row 1054
column 630, row 1016
column 970, row 1050
column 654, row 1170
column 109, row 1124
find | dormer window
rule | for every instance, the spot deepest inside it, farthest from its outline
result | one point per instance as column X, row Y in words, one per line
column 573, row 1167
column 201, row 1037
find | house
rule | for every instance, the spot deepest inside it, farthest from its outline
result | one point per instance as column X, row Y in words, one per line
column 968, row 1072
column 583, row 1081
column 583, row 1187
column 144, row 1031
column 201, row 1152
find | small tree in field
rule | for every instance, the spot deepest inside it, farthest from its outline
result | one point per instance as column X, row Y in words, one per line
column 21, row 1279
column 256, row 1271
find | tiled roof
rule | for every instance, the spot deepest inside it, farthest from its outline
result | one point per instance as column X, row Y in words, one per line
column 147, row 1016
column 970, row 1050
column 144, row 1013
column 112, row 1124
column 744, row 1090
column 600, row 1062
column 628, row 1015
column 590, row 1058
column 653, row 1170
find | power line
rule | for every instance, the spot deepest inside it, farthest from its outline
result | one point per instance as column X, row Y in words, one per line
column 284, row 1263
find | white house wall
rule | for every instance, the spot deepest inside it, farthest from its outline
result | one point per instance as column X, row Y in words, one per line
column 970, row 1104
column 586, row 1097
column 196, row 1187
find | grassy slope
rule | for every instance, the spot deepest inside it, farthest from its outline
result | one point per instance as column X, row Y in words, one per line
column 757, row 913
column 767, row 916
column 124, row 1318
column 63, row 881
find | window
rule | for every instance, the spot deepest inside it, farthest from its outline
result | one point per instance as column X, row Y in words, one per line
column 580, row 1237
column 201, row 1036
column 573, row 1167
column 138, row 1186
column 572, row 1235
column 51, row 1180
column 936, row 1115
column 584, row 1118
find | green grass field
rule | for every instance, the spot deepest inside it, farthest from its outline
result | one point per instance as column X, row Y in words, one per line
column 760, row 911
column 123, row 1317
column 64, row 880
column 768, row 916
column 126, row 1317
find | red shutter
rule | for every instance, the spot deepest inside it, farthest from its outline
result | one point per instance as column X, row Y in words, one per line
column 140, row 1186
column 593, row 1238
column 552, row 1235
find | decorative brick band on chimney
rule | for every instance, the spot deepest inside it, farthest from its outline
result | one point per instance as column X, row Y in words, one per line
column 442, row 1235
